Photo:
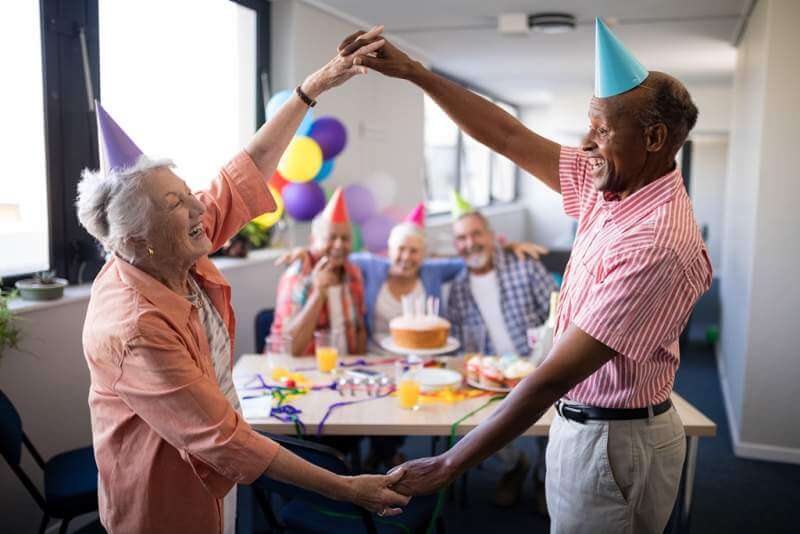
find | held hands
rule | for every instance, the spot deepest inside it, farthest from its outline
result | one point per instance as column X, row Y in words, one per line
column 344, row 66
column 422, row 476
column 388, row 59
column 375, row 493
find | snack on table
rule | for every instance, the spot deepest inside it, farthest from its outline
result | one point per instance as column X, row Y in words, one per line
column 498, row 373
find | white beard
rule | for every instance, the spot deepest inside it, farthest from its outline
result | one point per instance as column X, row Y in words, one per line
column 477, row 260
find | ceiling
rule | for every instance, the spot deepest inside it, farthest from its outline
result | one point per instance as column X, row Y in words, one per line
column 691, row 39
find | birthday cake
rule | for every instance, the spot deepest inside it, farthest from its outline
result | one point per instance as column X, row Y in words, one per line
column 498, row 373
column 419, row 327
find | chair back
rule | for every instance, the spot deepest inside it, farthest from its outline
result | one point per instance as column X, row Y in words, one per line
column 10, row 431
column 264, row 320
column 315, row 453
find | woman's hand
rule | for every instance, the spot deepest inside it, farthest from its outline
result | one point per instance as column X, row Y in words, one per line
column 344, row 66
column 373, row 493
column 388, row 60
column 323, row 276
column 521, row 250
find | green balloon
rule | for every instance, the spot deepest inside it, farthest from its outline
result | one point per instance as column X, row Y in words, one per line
column 357, row 240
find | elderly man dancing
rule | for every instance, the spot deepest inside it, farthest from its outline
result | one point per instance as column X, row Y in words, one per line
column 638, row 266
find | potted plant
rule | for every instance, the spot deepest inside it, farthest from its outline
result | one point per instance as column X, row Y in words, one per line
column 9, row 333
column 43, row 286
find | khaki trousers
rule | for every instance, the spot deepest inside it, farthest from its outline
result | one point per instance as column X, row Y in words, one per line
column 614, row 476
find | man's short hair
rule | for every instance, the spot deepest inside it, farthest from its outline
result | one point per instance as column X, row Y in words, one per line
column 481, row 217
column 668, row 102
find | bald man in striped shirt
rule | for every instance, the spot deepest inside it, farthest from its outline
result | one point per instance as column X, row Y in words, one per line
column 637, row 268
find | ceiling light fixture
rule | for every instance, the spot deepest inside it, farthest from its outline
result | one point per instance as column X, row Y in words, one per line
column 551, row 22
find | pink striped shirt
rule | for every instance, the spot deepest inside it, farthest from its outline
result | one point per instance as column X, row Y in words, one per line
column 638, row 266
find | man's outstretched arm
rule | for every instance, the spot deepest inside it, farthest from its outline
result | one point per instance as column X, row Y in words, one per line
column 576, row 356
column 476, row 116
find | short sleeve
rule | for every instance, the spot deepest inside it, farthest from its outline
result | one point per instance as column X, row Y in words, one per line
column 638, row 303
column 572, row 174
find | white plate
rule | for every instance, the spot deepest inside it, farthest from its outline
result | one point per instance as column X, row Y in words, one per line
column 487, row 388
column 450, row 345
column 431, row 379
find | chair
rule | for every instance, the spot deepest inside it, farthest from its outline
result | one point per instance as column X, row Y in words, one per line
column 70, row 478
column 264, row 320
column 309, row 512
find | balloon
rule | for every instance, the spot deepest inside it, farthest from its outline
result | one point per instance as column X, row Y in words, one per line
column 277, row 181
column 375, row 232
column 278, row 100
column 360, row 203
column 301, row 161
column 357, row 241
column 268, row 219
column 303, row 201
column 324, row 171
column 331, row 135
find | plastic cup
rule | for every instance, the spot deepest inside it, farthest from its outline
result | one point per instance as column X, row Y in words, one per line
column 326, row 351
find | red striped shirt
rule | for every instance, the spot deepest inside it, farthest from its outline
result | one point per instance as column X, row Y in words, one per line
column 637, row 268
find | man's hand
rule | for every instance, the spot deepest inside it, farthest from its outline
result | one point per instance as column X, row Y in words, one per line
column 297, row 253
column 323, row 276
column 521, row 250
column 388, row 59
column 423, row 476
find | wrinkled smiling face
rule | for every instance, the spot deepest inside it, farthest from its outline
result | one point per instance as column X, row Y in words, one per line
column 407, row 256
column 473, row 241
column 176, row 229
column 335, row 242
column 615, row 143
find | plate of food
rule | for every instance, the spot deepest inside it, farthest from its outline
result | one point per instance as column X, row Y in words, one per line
column 431, row 379
column 497, row 374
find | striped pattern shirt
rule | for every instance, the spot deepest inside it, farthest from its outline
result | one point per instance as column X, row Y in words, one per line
column 637, row 268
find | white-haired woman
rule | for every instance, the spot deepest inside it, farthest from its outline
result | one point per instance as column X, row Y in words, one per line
column 168, row 438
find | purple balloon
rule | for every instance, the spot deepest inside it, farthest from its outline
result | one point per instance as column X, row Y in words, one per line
column 360, row 203
column 331, row 135
column 375, row 232
column 303, row 201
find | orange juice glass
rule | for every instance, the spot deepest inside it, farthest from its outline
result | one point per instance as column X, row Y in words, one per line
column 326, row 351
column 408, row 393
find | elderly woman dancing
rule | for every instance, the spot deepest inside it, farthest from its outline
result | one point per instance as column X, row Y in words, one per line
column 169, row 440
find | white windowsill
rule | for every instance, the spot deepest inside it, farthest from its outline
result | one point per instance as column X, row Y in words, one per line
column 81, row 293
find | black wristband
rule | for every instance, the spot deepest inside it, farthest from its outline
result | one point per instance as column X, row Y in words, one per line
column 310, row 102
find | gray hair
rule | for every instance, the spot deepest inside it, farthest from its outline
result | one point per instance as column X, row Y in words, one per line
column 403, row 230
column 114, row 208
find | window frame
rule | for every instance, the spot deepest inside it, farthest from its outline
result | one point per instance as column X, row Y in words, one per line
column 493, row 201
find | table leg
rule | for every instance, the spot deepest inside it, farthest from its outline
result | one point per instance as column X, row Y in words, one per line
column 689, row 469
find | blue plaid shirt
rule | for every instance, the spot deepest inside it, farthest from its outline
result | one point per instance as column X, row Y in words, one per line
column 525, row 288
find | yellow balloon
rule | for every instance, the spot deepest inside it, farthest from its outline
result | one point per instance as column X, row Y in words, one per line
column 302, row 160
column 268, row 219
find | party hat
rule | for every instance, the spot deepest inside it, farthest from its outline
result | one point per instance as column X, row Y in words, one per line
column 336, row 210
column 117, row 150
column 417, row 215
column 615, row 68
column 460, row 206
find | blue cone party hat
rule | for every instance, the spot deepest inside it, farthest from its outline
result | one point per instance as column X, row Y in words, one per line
column 117, row 150
column 615, row 68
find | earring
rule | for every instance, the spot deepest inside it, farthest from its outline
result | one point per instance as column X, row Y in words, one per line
column 150, row 251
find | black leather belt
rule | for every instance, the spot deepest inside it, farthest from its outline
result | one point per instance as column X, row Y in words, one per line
column 581, row 413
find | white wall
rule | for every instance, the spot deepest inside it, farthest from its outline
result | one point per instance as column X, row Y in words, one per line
column 707, row 190
column 760, row 341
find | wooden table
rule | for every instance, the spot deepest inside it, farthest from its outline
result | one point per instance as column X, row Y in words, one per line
column 384, row 416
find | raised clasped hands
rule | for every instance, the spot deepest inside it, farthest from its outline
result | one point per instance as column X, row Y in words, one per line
column 386, row 59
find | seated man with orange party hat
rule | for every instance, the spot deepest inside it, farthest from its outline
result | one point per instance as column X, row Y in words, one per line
column 326, row 292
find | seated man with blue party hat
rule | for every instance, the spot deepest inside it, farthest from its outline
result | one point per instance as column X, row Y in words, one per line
column 637, row 268
column 499, row 296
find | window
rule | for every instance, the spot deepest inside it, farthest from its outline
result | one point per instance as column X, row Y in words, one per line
column 453, row 160
column 24, row 225
column 182, row 84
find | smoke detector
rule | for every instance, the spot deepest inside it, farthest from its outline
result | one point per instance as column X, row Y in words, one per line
column 522, row 23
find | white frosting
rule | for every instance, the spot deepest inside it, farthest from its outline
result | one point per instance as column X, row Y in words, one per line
column 419, row 322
